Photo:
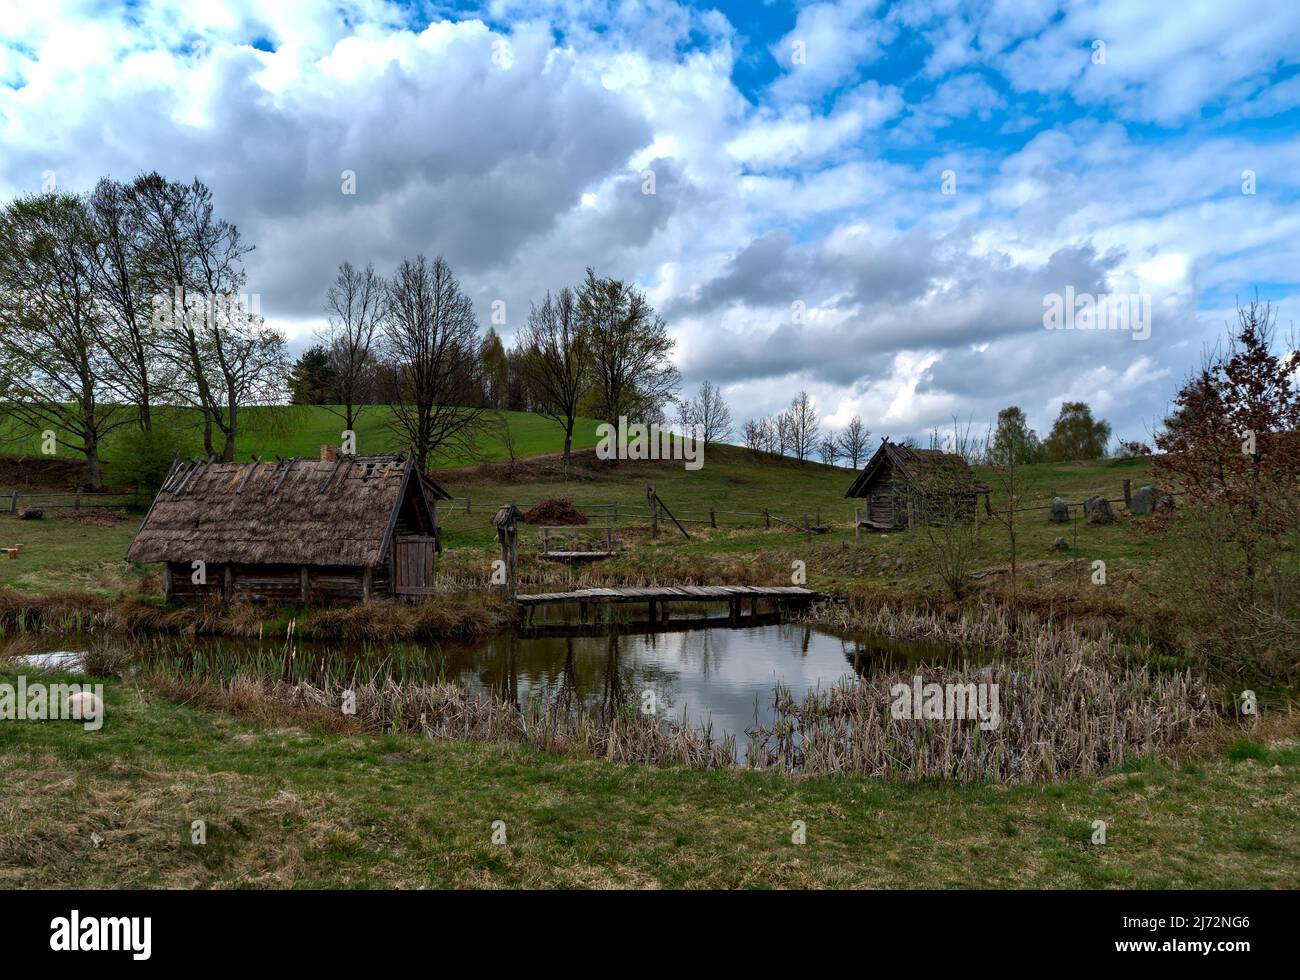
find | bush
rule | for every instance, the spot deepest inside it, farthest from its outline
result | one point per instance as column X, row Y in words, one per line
column 145, row 458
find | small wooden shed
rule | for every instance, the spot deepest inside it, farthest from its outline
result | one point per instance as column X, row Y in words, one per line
column 902, row 485
column 335, row 528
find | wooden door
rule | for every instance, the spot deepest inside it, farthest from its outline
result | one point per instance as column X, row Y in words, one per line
column 413, row 565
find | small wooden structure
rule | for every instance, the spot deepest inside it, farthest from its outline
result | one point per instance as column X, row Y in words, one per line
column 605, row 548
column 334, row 528
column 657, row 598
column 902, row 486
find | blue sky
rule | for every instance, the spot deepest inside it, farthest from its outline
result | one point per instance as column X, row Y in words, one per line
column 867, row 200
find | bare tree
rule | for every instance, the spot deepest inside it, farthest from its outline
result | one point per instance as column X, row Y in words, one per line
column 709, row 411
column 220, row 348
column 553, row 349
column 781, row 433
column 758, row 435
column 829, row 449
column 53, row 370
column 630, row 349
column 119, row 255
column 854, row 441
column 804, row 429
column 354, row 307
column 1006, row 474
column 431, row 343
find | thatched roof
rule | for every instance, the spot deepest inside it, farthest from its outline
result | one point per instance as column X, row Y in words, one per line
column 919, row 467
column 296, row 511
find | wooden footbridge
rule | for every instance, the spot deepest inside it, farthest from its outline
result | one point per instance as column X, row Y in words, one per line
column 659, row 598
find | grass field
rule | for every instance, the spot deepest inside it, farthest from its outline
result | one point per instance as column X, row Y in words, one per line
column 294, row 806
column 300, row 430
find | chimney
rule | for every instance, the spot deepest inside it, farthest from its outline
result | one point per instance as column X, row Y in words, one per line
column 329, row 454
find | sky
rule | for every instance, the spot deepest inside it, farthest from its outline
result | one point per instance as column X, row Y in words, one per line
column 870, row 201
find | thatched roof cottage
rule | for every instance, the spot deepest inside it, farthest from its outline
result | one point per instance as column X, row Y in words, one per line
column 334, row 528
column 902, row 484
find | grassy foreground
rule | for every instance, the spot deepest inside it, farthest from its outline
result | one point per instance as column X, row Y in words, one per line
column 299, row 807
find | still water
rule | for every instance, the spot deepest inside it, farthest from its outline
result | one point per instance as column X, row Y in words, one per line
column 710, row 674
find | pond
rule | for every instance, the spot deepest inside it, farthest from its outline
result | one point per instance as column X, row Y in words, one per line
column 707, row 673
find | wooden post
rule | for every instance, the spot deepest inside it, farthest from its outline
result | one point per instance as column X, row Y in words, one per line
column 767, row 519
column 228, row 583
column 807, row 526
column 514, row 555
column 1128, row 496
column 167, row 581
column 654, row 511
column 305, row 586
column 366, row 583
column 546, row 540
column 616, row 512
column 713, row 520
column 13, row 502
column 857, row 525
column 735, row 611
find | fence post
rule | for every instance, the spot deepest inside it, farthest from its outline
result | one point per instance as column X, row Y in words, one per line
column 1128, row 498
column 857, row 525
column 616, row 512
column 654, row 511
column 767, row 519
column 713, row 520
column 807, row 526
column 467, row 499
column 13, row 502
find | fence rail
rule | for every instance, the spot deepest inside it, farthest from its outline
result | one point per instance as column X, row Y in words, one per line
column 15, row 500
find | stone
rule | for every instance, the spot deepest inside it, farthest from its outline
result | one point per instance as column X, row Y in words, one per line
column 1060, row 544
column 1150, row 500
column 1060, row 511
column 1097, row 510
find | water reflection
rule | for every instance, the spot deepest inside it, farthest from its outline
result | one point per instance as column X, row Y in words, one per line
column 717, row 673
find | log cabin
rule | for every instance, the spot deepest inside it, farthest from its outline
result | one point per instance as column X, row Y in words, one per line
column 339, row 528
column 902, row 485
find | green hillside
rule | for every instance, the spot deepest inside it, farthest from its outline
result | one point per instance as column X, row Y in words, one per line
column 300, row 430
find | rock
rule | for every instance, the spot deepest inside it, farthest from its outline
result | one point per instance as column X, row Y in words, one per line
column 1150, row 500
column 1060, row 511
column 1097, row 510
column 31, row 514
column 1060, row 544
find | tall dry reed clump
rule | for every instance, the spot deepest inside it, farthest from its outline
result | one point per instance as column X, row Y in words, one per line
column 1067, row 705
column 447, row 711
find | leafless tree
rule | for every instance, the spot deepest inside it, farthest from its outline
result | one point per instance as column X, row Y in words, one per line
column 354, row 307
column 119, row 257
column 854, row 441
column 709, row 411
column 224, row 354
column 829, row 450
column 553, row 349
column 758, row 435
column 431, row 342
column 804, row 429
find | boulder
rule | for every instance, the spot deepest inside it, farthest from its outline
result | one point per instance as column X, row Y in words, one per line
column 1097, row 510
column 1060, row 511
column 1150, row 500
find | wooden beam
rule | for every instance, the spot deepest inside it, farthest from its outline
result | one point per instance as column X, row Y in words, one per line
column 248, row 475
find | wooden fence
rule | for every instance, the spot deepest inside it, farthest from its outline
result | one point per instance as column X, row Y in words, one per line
column 17, row 500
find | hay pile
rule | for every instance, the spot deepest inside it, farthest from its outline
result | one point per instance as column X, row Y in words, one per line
column 555, row 512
